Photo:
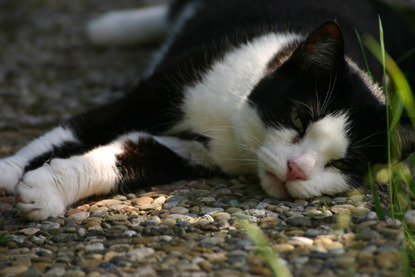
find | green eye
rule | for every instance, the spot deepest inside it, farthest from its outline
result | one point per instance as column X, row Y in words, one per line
column 296, row 120
column 340, row 164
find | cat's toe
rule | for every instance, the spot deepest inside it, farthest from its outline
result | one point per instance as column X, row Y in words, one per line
column 37, row 195
column 11, row 170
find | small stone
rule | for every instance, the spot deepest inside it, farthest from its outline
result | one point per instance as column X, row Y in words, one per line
column 117, row 217
column 108, row 202
column 142, row 201
column 360, row 211
column 260, row 270
column 181, row 218
column 138, row 254
column 410, row 217
column 160, row 200
column 78, row 216
column 233, row 210
column 179, row 210
column 283, row 247
column 222, row 216
column 95, row 247
column 389, row 259
column 56, row 271
column 299, row 221
column 342, row 209
column 74, row 273
column 29, row 231
column 210, row 211
column 212, row 241
column 300, row 241
column 13, row 270
column 368, row 234
column 269, row 222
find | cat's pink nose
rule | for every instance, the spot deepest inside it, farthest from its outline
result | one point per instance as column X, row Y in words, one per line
column 295, row 172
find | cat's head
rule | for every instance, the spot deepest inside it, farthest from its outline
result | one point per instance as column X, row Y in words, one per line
column 325, row 120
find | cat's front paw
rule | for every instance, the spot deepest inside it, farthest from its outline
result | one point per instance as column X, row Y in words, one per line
column 11, row 170
column 38, row 195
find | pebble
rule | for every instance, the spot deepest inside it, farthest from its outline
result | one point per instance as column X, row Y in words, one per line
column 140, row 253
column 179, row 210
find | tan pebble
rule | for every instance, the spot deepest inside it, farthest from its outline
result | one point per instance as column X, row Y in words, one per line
column 260, row 270
column 323, row 242
column 73, row 211
column 342, row 209
column 23, row 260
column 205, row 266
column 169, row 222
column 109, row 255
column 143, row 240
column 108, row 202
column 221, row 216
column 142, row 201
column 346, row 261
column 335, row 245
column 364, row 256
column 89, row 263
column 283, row 247
column 368, row 270
column 296, row 232
column 268, row 222
column 93, row 208
column 360, row 211
column 16, row 270
column 389, row 259
column 42, row 266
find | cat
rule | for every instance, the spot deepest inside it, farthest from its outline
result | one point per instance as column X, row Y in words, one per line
column 272, row 88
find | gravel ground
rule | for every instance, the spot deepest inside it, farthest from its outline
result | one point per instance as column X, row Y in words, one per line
column 48, row 71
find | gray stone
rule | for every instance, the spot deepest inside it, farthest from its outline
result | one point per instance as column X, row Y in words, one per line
column 138, row 254
column 179, row 210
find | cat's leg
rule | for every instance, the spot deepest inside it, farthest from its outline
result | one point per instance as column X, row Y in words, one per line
column 60, row 140
column 135, row 159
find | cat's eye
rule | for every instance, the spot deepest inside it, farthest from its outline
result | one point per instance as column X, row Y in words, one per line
column 296, row 120
column 340, row 164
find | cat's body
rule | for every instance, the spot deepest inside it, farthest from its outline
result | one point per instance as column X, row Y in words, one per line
column 242, row 87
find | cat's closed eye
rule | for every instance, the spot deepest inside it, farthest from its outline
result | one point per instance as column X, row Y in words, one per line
column 339, row 164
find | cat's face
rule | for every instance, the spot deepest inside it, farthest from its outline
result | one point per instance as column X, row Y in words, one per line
column 324, row 122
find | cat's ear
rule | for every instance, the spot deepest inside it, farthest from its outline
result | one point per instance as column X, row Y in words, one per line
column 323, row 50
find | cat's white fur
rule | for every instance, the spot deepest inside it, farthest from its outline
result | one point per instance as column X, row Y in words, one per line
column 217, row 107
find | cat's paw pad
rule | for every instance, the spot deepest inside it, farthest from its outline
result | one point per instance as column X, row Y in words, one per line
column 38, row 196
column 11, row 170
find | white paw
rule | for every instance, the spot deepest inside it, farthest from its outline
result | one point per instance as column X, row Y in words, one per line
column 38, row 195
column 11, row 170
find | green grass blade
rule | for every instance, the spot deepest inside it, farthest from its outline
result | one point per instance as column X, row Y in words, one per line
column 376, row 200
column 363, row 53
column 272, row 259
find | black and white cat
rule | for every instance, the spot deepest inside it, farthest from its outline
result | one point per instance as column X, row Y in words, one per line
column 266, row 87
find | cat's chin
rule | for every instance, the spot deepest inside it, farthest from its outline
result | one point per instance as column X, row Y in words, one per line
column 274, row 186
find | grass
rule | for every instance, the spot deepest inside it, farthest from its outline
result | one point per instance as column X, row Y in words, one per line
column 401, row 186
column 272, row 259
